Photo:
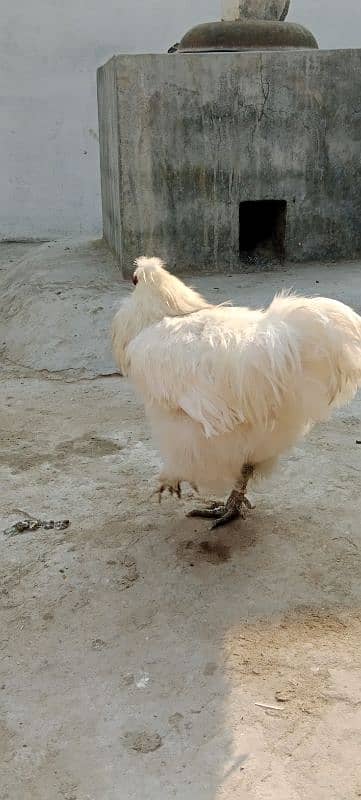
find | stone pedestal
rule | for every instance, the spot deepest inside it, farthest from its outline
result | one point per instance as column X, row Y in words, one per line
column 230, row 161
column 248, row 25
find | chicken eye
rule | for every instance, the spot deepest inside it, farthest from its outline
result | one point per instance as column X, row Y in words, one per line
column 135, row 280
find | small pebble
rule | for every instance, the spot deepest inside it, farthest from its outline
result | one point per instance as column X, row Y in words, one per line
column 98, row 644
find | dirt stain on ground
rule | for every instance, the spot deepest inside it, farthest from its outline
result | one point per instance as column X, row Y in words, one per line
column 197, row 552
column 20, row 458
column 143, row 742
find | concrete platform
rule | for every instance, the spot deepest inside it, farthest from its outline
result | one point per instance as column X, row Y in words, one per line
column 214, row 159
column 141, row 657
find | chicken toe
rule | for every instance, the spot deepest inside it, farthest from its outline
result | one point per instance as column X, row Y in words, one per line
column 171, row 487
column 223, row 513
column 212, row 511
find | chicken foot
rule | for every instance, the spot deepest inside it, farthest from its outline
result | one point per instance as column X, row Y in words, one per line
column 172, row 488
column 235, row 507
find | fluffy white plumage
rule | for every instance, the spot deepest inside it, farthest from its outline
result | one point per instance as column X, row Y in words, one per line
column 229, row 386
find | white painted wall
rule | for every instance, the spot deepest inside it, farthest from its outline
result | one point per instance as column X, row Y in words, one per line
column 49, row 52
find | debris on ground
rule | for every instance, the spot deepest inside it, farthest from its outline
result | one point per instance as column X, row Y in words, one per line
column 143, row 742
column 142, row 680
column 98, row 644
column 268, row 707
column 23, row 526
column 285, row 695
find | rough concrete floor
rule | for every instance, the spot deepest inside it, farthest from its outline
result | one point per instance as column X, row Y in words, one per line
column 135, row 646
column 13, row 252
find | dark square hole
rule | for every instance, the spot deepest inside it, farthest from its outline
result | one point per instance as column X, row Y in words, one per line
column 262, row 229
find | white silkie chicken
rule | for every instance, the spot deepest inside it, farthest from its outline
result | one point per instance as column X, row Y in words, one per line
column 227, row 389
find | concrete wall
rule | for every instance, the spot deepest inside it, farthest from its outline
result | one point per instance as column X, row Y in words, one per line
column 49, row 52
column 199, row 134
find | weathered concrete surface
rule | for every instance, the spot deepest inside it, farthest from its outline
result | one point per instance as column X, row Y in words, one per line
column 56, row 306
column 109, row 156
column 12, row 252
column 198, row 134
column 138, row 621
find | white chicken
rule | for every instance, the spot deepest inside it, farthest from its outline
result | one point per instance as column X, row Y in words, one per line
column 228, row 389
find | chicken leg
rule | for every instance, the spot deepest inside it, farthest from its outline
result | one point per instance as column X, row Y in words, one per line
column 235, row 507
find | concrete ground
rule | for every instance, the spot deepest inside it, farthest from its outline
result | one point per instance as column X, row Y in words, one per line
column 141, row 657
